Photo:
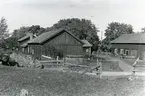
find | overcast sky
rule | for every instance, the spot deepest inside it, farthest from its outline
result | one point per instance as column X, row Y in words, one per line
column 47, row 12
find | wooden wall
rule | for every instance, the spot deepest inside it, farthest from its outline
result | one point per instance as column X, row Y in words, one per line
column 35, row 50
column 65, row 43
column 134, row 49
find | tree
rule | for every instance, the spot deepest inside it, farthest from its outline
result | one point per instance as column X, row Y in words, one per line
column 113, row 31
column 3, row 31
column 36, row 29
column 82, row 28
column 3, row 27
column 22, row 31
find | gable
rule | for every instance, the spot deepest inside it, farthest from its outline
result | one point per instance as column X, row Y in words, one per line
column 63, row 38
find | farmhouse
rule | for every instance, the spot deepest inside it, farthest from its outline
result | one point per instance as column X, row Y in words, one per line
column 132, row 45
column 59, row 42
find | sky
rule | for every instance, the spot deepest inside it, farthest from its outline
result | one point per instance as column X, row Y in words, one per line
column 45, row 13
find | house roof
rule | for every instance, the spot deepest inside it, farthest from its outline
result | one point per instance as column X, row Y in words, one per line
column 48, row 35
column 23, row 38
column 130, row 38
column 86, row 43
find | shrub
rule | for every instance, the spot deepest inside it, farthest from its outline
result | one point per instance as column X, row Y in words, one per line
column 53, row 52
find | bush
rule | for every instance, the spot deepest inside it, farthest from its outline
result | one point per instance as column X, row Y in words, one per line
column 53, row 52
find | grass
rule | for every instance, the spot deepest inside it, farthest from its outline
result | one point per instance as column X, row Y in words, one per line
column 56, row 83
column 111, row 66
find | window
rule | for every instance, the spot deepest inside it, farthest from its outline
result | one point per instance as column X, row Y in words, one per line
column 121, row 51
column 127, row 52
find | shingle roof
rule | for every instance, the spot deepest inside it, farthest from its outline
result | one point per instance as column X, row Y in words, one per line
column 130, row 38
column 86, row 43
column 23, row 38
column 48, row 35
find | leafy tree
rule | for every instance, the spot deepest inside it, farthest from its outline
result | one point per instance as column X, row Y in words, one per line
column 19, row 33
column 82, row 28
column 113, row 31
column 36, row 29
column 11, row 42
column 22, row 31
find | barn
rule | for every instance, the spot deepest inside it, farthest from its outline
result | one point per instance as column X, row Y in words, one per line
column 131, row 45
column 61, row 42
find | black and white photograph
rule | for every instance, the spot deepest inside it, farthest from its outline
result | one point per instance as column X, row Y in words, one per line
column 72, row 47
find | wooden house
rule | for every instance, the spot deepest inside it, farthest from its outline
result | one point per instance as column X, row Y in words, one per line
column 61, row 40
column 131, row 45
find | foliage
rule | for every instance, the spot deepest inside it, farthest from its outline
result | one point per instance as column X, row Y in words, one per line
column 82, row 28
column 36, row 29
column 53, row 52
column 3, row 32
column 3, row 28
column 22, row 31
column 113, row 31
column 11, row 43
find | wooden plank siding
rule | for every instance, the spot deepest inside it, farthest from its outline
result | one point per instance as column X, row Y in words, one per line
column 35, row 50
column 65, row 43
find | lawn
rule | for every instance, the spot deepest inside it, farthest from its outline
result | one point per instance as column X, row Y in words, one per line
column 44, row 82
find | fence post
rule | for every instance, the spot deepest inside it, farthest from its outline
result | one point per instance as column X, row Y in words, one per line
column 100, row 69
column 64, row 59
column 57, row 59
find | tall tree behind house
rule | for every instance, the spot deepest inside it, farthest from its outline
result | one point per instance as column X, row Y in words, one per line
column 113, row 31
